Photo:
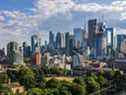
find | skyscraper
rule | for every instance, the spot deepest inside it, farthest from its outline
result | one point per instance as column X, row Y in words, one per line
column 110, row 41
column 120, row 40
column 63, row 40
column 100, row 40
column 35, row 42
column 71, row 44
column 67, row 37
column 26, row 50
column 79, row 35
column 14, row 53
column 51, row 40
column 58, row 40
column 37, row 57
column 12, row 48
column 92, row 25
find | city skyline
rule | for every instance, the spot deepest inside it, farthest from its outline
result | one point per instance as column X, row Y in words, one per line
column 21, row 19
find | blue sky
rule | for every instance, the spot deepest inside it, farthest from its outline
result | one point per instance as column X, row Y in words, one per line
column 19, row 19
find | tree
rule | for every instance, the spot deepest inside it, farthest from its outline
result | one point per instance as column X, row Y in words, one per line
column 39, row 77
column 77, row 89
column 53, row 83
column 79, row 80
column 91, row 84
column 3, row 78
column 36, row 91
column 5, row 90
column 26, row 77
column 102, row 81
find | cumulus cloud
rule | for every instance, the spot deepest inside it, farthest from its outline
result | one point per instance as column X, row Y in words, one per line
column 20, row 25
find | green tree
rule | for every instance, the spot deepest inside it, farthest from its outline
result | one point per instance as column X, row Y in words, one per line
column 79, row 80
column 26, row 77
column 5, row 89
column 77, row 89
column 53, row 83
column 3, row 77
column 91, row 84
column 102, row 81
column 36, row 91
column 39, row 77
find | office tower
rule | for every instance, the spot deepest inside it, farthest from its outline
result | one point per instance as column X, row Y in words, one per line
column 67, row 37
column 14, row 53
column 100, row 40
column 37, row 57
column 3, row 57
column 110, row 41
column 62, row 40
column 26, row 50
column 92, row 25
column 51, row 40
column 35, row 43
column 58, row 40
column 76, row 61
column 12, row 48
column 123, row 47
column 79, row 35
column 120, row 40
column 71, row 44
column 19, row 56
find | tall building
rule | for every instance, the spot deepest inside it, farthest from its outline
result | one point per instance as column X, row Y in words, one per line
column 58, row 40
column 26, row 50
column 12, row 48
column 79, row 35
column 63, row 40
column 123, row 47
column 110, row 41
column 71, row 44
column 37, row 57
column 92, row 25
column 120, row 40
column 67, row 38
column 3, row 57
column 19, row 56
column 35, row 42
column 14, row 53
column 100, row 40
column 51, row 40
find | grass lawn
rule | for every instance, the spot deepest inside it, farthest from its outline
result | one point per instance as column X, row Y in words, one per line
column 70, row 79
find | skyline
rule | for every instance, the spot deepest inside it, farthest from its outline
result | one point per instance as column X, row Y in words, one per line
column 20, row 19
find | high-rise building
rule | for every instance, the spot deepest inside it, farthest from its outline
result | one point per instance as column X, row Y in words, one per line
column 100, row 40
column 79, row 35
column 26, row 50
column 63, row 40
column 67, row 37
column 92, row 26
column 58, row 40
column 120, row 40
column 3, row 57
column 123, row 47
column 19, row 56
column 110, row 41
column 35, row 43
column 37, row 57
column 12, row 48
column 51, row 40
column 14, row 53
column 71, row 44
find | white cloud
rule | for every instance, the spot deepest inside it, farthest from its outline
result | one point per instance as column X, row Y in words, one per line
column 19, row 25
